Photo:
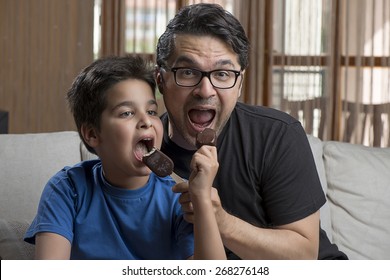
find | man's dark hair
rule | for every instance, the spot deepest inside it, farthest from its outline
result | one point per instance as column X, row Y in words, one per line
column 204, row 19
column 87, row 95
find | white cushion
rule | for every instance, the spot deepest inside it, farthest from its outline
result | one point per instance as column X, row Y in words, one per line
column 359, row 195
column 27, row 161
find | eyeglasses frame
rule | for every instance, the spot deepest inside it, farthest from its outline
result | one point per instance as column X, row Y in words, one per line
column 204, row 74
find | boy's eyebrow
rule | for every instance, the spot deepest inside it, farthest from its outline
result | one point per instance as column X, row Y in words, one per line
column 152, row 102
column 132, row 104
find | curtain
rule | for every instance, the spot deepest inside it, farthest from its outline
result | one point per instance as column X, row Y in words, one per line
column 326, row 62
column 253, row 17
column 364, row 89
column 113, row 27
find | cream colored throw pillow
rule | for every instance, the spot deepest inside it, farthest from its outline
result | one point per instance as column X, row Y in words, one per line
column 359, row 197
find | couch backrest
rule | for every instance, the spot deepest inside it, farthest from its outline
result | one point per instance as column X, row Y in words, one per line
column 27, row 161
column 317, row 148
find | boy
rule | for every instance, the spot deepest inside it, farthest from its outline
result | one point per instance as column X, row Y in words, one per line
column 114, row 207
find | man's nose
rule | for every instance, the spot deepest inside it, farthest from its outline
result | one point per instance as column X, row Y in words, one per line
column 205, row 88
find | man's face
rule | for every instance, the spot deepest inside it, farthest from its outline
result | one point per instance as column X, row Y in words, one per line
column 192, row 109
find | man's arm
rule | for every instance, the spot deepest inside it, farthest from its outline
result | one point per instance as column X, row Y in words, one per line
column 297, row 240
column 51, row 246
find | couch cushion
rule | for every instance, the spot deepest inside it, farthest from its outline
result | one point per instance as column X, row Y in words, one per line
column 359, row 195
column 12, row 246
column 27, row 161
column 317, row 149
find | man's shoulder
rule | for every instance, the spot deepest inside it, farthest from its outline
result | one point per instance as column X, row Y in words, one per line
column 262, row 113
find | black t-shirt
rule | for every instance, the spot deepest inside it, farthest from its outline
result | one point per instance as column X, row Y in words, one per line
column 267, row 175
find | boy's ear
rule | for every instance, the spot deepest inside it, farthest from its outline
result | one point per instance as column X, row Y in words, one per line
column 90, row 135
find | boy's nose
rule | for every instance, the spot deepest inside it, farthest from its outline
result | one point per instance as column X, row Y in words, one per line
column 145, row 122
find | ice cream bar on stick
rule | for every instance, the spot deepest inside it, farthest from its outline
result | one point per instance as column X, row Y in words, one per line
column 206, row 137
column 158, row 162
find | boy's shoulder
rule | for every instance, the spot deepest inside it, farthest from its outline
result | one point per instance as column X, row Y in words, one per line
column 80, row 173
column 163, row 182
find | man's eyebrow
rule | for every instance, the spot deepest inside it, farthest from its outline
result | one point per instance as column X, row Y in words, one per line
column 183, row 58
column 224, row 62
column 219, row 63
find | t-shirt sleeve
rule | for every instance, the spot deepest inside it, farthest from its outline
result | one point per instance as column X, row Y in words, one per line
column 56, row 209
column 292, row 189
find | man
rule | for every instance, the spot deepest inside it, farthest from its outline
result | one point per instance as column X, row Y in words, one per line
column 268, row 193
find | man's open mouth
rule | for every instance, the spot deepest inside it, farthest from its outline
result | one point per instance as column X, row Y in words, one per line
column 201, row 118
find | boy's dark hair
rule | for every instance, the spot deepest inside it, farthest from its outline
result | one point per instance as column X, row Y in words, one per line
column 204, row 19
column 87, row 95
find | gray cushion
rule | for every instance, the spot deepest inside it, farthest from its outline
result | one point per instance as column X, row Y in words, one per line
column 25, row 171
column 12, row 246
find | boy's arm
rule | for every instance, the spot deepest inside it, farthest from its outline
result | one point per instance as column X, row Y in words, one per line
column 51, row 246
column 208, row 242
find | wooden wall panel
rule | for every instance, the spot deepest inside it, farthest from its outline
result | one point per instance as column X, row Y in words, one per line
column 43, row 45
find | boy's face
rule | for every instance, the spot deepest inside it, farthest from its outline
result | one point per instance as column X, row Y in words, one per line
column 129, row 127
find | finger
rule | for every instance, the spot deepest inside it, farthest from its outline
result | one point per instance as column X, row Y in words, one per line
column 180, row 187
column 204, row 155
column 185, row 198
column 187, row 207
column 189, row 218
column 209, row 151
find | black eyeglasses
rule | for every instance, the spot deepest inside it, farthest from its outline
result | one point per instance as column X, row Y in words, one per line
column 219, row 78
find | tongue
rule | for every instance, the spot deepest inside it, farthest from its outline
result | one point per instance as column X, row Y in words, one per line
column 140, row 150
column 201, row 117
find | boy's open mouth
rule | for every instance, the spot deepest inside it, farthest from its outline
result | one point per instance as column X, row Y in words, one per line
column 143, row 147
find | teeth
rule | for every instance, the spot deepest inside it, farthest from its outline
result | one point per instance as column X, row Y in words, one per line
column 151, row 152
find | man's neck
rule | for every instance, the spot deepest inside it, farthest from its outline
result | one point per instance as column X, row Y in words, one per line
column 176, row 138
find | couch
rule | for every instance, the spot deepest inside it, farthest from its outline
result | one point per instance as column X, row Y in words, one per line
column 355, row 179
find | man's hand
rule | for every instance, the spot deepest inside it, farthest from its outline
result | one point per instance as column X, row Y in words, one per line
column 186, row 204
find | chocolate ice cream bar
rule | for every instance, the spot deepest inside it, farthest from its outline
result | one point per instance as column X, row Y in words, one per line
column 158, row 162
column 207, row 137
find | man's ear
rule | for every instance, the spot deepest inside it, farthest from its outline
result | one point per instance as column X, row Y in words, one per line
column 241, row 82
column 90, row 135
column 159, row 80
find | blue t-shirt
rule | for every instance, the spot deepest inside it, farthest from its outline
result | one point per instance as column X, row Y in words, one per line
column 105, row 222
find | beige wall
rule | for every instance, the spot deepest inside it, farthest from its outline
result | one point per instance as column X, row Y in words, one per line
column 43, row 45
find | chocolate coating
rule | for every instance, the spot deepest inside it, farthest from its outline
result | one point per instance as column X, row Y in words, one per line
column 207, row 137
column 158, row 162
